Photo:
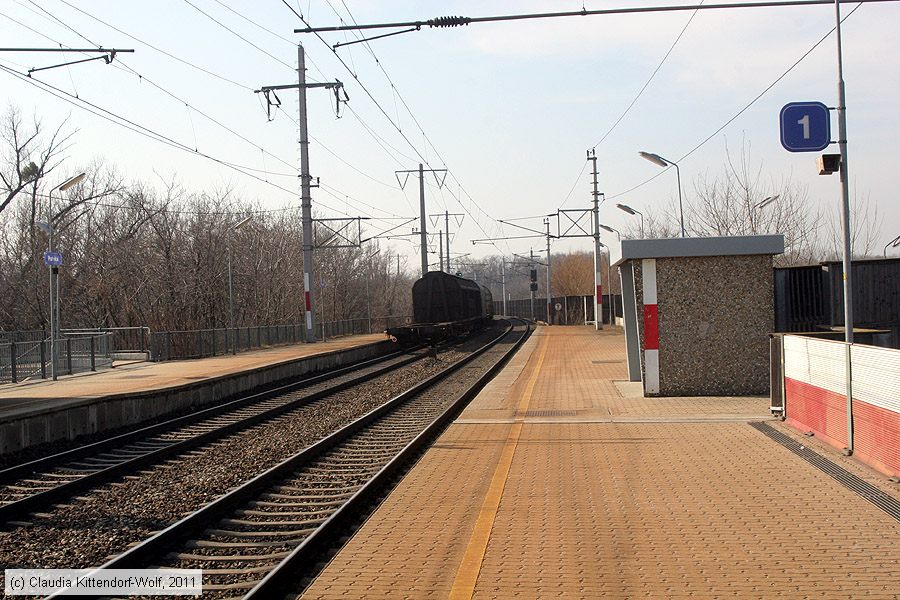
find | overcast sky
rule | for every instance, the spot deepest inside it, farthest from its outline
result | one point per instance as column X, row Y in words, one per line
column 508, row 108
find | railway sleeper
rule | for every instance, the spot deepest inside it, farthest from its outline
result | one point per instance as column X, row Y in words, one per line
column 311, row 504
column 176, row 556
column 233, row 533
column 248, row 523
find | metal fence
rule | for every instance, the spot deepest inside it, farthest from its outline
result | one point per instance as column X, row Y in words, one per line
column 177, row 345
column 125, row 342
column 29, row 359
column 573, row 310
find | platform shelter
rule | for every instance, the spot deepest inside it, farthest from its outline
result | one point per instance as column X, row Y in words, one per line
column 698, row 312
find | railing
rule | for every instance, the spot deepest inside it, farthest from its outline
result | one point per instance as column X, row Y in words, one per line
column 125, row 342
column 23, row 360
column 200, row 343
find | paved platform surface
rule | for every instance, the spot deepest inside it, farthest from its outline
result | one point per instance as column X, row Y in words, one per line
column 144, row 376
column 560, row 481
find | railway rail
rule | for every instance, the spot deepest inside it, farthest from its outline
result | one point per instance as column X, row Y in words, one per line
column 254, row 540
column 32, row 486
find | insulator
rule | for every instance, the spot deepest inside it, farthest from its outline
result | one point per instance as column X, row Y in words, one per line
column 449, row 21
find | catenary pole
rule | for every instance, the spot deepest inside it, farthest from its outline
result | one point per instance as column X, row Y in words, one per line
column 447, row 232
column 503, row 282
column 598, row 279
column 549, row 300
column 422, row 231
column 306, row 198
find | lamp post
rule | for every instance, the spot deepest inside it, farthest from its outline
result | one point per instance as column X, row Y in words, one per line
column 612, row 304
column 656, row 159
column 632, row 211
column 54, row 275
column 891, row 244
column 231, row 230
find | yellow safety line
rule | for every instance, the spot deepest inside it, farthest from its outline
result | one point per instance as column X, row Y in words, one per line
column 470, row 567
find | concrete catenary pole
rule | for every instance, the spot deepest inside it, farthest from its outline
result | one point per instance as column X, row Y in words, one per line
column 549, row 294
column 503, row 282
column 447, row 231
column 530, row 268
column 845, row 223
column 598, row 278
column 423, row 232
column 305, row 198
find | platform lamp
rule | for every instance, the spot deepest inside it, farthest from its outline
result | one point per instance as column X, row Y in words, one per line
column 54, row 273
column 231, row 230
column 758, row 208
column 656, row 159
column 891, row 244
column 632, row 211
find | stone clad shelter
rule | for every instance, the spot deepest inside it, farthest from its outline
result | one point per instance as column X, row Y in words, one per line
column 698, row 313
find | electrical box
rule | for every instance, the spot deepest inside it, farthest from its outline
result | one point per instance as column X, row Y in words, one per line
column 533, row 287
column 534, row 275
column 828, row 163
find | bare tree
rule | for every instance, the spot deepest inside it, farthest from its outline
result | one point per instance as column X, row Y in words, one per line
column 27, row 155
column 741, row 200
column 573, row 274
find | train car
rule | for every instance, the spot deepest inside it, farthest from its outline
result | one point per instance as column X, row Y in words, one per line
column 444, row 306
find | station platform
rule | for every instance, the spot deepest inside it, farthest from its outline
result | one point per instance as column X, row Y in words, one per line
column 561, row 480
column 39, row 411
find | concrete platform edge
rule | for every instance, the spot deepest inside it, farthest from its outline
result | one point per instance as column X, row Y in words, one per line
column 80, row 416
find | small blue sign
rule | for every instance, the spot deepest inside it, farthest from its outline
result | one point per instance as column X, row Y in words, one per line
column 53, row 259
column 805, row 126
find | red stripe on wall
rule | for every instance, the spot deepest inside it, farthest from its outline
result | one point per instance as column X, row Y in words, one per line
column 876, row 437
column 307, row 301
column 599, row 294
column 651, row 327
column 876, row 430
column 811, row 408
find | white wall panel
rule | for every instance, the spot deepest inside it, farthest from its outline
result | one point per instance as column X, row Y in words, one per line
column 817, row 362
column 876, row 376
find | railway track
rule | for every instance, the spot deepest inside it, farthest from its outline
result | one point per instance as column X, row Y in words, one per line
column 35, row 485
column 258, row 539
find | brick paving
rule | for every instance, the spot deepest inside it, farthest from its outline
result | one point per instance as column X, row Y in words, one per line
column 555, row 483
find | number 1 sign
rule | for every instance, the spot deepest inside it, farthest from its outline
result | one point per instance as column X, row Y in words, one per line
column 805, row 126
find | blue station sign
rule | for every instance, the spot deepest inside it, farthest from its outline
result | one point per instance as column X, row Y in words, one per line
column 53, row 259
column 805, row 126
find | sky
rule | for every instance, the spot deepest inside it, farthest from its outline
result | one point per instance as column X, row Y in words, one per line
column 509, row 109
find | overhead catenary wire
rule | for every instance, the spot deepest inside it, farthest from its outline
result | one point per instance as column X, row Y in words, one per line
column 157, row 48
column 171, row 94
column 131, row 125
column 633, row 102
column 406, row 138
column 741, row 111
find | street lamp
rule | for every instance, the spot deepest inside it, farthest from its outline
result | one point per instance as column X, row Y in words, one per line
column 891, row 244
column 767, row 201
column 656, row 159
column 632, row 211
column 54, row 273
column 758, row 208
column 232, row 229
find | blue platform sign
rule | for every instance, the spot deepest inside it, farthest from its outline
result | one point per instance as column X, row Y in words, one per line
column 53, row 259
column 805, row 126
